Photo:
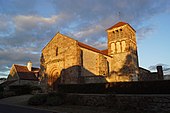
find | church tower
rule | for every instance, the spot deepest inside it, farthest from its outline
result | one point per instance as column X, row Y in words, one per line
column 122, row 48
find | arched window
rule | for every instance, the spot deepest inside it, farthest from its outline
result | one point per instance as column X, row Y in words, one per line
column 113, row 48
column 123, row 46
column 118, row 47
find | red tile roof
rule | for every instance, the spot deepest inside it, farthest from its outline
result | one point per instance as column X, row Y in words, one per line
column 105, row 51
column 118, row 25
column 25, row 74
column 90, row 48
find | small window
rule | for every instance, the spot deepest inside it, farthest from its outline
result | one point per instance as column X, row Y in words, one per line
column 56, row 51
column 113, row 32
column 116, row 30
column 120, row 29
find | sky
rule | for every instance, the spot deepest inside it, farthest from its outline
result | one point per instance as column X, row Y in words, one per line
column 26, row 26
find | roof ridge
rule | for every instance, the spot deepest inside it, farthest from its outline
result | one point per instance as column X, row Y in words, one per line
column 24, row 66
column 91, row 48
column 117, row 25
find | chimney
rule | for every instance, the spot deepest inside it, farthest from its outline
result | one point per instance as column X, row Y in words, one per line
column 160, row 72
column 29, row 65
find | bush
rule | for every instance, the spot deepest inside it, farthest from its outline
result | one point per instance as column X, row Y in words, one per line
column 1, row 95
column 8, row 94
column 21, row 89
column 39, row 99
column 138, row 87
column 1, row 88
column 54, row 100
column 36, row 90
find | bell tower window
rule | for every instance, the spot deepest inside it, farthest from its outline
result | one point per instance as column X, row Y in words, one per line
column 118, row 47
column 113, row 48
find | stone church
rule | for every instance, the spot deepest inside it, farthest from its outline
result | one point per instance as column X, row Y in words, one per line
column 67, row 61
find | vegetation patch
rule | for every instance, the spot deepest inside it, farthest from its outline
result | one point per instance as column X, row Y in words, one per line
column 38, row 99
column 51, row 99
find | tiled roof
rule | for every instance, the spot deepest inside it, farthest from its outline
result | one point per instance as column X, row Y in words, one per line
column 105, row 51
column 118, row 25
column 25, row 74
column 90, row 48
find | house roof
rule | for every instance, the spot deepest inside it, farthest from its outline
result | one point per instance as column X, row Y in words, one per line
column 25, row 74
column 91, row 48
column 118, row 25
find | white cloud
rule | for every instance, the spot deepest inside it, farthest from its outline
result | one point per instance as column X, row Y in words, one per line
column 144, row 31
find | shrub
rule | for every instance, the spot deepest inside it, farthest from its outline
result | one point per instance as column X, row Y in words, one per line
column 1, row 95
column 1, row 88
column 21, row 89
column 36, row 90
column 55, row 99
column 39, row 99
column 8, row 94
column 52, row 99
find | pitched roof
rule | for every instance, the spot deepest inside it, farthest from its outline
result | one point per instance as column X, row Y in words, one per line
column 25, row 74
column 90, row 48
column 105, row 51
column 118, row 25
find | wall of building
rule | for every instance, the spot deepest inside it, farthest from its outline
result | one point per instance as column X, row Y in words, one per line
column 146, row 75
column 90, row 62
column 122, row 47
column 60, row 60
column 93, row 66
column 13, row 74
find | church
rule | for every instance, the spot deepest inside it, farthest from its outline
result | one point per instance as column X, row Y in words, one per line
column 65, row 60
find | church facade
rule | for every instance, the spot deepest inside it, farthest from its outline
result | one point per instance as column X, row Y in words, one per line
column 67, row 61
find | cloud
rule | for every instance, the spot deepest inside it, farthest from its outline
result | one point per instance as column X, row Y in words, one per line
column 166, row 68
column 28, row 36
column 144, row 31
column 26, row 26
column 103, row 14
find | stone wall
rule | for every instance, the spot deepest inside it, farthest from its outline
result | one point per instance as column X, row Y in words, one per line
column 94, row 63
column 13, row 74
column 123, row 49
column 90, row 63
column 136, row 103
column 60, row 57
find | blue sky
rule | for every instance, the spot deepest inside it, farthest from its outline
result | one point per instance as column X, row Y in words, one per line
column 26, row 26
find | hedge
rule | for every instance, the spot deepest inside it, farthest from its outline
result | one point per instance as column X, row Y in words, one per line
column 141, row 87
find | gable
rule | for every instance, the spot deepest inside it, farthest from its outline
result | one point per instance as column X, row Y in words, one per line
column 119, row 24
column 25, row 74
column 58, row 38
column 13, row 74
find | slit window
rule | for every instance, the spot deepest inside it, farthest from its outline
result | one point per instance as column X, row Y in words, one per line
column 56, row 51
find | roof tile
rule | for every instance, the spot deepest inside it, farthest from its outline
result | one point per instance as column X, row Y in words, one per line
column 25, row 74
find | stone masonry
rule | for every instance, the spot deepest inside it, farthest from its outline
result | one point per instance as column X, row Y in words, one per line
column 65, row 60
